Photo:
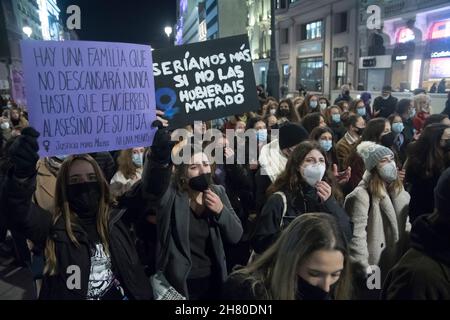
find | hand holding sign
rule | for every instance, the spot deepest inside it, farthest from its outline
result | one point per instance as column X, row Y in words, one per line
column 89, row 96
column 205, row 81
column 23, row 153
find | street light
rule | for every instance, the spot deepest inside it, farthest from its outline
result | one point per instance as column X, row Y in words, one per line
column 27, row 30
column 168, row 31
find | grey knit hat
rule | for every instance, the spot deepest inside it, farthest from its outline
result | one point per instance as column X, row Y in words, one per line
column 372, row 153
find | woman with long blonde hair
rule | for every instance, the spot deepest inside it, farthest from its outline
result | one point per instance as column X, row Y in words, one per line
column 88, row 249
column 131, row 162
column 309, row 261
column 378, row 208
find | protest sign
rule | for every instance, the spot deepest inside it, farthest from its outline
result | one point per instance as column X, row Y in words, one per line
column 205, row 80
column 86, row 96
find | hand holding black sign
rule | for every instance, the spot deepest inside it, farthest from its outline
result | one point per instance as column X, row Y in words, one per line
column 204, row 81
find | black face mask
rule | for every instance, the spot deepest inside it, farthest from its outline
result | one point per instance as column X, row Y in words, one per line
column 307, row 291
column 359, row 131
column 346, row 93
column 387, row 140
column 200, row 183
column 84, row 198
column 284, row 113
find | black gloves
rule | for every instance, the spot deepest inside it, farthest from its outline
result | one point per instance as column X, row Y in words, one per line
column 23, row 153
column 162, row 144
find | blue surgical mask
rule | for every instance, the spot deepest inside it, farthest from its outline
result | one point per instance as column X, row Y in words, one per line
column 336, row 117
column 388, row 172
column 313, row 104
column 412, row 113
column 138, row 159
column 261, row 135
column 326, row 145
column 398, row 127
column 361, row 111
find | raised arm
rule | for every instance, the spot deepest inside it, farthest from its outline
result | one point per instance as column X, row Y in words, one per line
column 20, row 185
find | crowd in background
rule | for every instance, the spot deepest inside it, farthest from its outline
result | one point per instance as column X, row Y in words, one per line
column 343, row 193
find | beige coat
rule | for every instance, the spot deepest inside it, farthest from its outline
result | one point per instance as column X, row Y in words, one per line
column 381, row 227
column 119, row 184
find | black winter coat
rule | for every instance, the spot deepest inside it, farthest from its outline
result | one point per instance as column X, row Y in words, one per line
column 172, row 205
column 423, row 273
column 268, row 224
column 421, row 191
column 37, row 225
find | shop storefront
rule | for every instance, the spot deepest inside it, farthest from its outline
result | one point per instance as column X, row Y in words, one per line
column 310, row 63
column 406, row 60
column 437, row 54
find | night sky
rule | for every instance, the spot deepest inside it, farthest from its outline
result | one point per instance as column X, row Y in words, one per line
column 132, row 21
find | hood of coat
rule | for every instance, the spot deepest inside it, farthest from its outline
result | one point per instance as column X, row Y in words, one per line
column 432, row 237
column 272, row 160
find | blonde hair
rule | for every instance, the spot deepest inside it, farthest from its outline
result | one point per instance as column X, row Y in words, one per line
column 376, row 185
column 126, row 165
column 62, row 211
column 274, row 273
column 421, row 100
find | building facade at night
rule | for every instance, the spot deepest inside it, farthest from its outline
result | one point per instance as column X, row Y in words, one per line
column 413, row 48
column 258, row 27
column 209, row 19
column 316, row 44
column 42, row 17
column 324, row 44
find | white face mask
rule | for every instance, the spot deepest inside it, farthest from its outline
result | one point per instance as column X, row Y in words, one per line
column 388, row 172
column 273, row 111
column 4, row 125
column 323, row 106
column 313, row 173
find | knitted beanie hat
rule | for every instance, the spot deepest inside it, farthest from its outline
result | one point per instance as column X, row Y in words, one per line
column 291, row 134
column 372, row 153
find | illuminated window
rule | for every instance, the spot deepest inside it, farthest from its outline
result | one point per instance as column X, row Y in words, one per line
column 311, row 30
column 405, row 35
column 440, row 29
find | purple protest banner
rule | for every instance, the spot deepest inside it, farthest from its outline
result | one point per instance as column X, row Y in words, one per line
column 86, row 96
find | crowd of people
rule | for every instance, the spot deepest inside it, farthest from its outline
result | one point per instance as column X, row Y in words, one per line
column 339, row 194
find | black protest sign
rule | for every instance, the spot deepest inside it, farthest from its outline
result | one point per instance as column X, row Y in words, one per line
column 205, row 80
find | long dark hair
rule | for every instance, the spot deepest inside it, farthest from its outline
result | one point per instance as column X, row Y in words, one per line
column 425, row 156
column 304, row 109
column 315, row 136
column 291, row 180
column 293, row 115
column 374, row 129
column 311, row 121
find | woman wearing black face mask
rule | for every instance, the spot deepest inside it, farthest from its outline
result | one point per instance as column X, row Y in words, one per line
column 194, row 218
column 355, row 125
column 84, row 238
column 286, row 110
column 309, row 261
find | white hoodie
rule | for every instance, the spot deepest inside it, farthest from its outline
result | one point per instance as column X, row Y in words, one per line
column 272, row 160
